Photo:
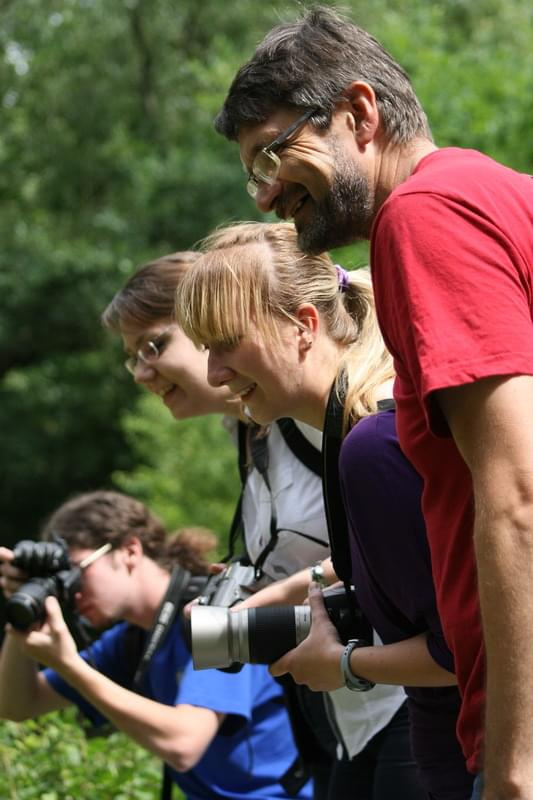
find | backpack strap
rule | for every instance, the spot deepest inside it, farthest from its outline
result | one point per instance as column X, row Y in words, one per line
column 300, row 445
column 259, row 453
column 253, row 446
column 236, row 528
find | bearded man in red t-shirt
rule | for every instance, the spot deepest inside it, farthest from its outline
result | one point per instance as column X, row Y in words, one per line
column 332, row 135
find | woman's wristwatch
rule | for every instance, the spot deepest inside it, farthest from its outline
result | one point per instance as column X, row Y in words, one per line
column 353, row 682
column 317, row 574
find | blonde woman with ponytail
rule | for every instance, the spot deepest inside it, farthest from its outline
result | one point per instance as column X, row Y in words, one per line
column 294, row 335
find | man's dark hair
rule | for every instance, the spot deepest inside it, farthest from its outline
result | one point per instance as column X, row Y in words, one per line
column 92, row 519
column 308, row 64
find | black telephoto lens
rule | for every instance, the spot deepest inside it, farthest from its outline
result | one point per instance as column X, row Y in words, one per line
column 39, row 559
column 271, row 633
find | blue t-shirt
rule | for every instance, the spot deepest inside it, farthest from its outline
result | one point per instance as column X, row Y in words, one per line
column 391, row 570
column 254, row 746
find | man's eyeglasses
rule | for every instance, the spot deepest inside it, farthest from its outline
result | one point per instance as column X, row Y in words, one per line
column 149, row 351
column 94, row 556
column 266, row 164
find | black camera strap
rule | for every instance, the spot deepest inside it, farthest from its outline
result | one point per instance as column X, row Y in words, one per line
column 181, row 582
column 337, row 523
column 333, row 503
column 167, row 784
column 166, row 615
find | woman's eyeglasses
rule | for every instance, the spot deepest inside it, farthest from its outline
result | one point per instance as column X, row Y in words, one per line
column 149, row 351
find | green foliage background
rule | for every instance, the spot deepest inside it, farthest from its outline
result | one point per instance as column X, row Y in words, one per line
column 107, row 159
column 52, row 759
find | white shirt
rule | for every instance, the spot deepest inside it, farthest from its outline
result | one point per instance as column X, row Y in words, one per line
column 303, row 540
column 299, row 507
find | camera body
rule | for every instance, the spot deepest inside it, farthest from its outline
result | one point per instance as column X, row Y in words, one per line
column 261, row 635
column 228, row 587
column 50, row 572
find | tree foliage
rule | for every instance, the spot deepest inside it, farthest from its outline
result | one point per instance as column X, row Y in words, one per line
column 54, row 759
column 186, row 470
column 108, row 158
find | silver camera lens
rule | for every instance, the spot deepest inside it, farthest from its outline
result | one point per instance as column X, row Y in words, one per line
column 221, row 637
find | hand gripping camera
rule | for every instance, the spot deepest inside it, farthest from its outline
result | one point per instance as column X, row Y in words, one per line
column 51, row 573
column 221, row 637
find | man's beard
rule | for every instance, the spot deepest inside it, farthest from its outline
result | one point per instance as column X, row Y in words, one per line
column 343, row 216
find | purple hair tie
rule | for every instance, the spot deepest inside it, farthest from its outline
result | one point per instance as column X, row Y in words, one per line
column 343, row 278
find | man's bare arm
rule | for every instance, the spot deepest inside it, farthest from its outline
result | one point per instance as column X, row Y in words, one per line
column 24, row 691
column 492, row 424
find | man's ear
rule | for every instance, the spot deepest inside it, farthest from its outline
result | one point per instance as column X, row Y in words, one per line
column 132, row 550
column 363, row 107
column 308, row 325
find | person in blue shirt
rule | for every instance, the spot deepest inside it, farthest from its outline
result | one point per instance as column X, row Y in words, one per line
column 222, row 735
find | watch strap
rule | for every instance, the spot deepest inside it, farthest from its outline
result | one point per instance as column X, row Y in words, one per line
column 354, row 682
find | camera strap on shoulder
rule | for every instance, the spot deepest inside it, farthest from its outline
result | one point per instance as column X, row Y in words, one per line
column 165, row 617
column 334, row 506
column 333, row 503
column 170, row 605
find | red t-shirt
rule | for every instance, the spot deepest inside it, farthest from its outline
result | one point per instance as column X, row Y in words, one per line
column 452, row 263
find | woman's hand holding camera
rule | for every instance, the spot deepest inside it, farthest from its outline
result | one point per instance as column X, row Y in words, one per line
column 11, row 578
column 316, row 661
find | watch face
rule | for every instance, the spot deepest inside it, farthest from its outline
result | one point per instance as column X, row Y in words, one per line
column 317, row 574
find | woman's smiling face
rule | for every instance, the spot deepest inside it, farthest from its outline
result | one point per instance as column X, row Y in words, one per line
column 179, row 374
column 264, row 374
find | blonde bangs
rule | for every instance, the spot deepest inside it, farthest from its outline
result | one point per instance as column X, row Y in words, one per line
column 222, row 294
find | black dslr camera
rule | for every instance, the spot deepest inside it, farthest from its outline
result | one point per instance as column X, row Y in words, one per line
column 50, row 573
column 228, row 587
